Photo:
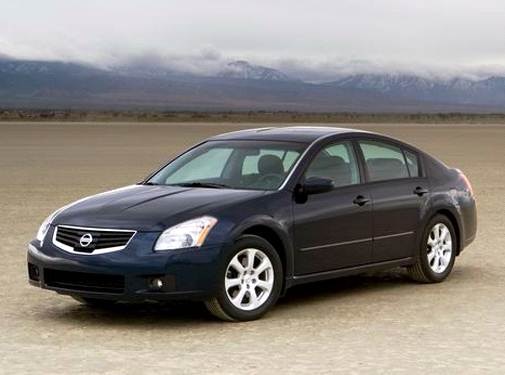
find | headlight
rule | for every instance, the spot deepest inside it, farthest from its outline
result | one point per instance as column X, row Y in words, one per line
column 190, row 233
column 44, row 227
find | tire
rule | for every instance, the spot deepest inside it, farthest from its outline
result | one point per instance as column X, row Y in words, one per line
column 247, row 293
column 433, row 262
column 95, row 302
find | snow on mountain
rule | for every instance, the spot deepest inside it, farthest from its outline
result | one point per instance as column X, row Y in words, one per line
column 239, row 85
column 244, row 70
column 386, row 83
column 490, row 91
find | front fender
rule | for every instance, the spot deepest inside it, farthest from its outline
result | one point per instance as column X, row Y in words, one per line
column 282, row 231
column 273, row 212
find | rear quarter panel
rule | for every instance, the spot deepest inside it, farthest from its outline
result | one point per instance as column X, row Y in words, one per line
column 450, row 193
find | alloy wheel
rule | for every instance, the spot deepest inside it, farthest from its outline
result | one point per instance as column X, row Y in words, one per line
column 439, row 248
column 249, row 279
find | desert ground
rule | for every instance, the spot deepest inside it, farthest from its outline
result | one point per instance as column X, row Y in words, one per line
column 375, row 323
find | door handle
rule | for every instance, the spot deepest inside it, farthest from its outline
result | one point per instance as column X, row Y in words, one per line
column 360, row 200
column 420, row 191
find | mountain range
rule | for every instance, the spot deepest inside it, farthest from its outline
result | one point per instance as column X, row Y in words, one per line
column 238, row 86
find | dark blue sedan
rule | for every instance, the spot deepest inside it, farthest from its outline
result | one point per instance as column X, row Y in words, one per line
column 241, row 217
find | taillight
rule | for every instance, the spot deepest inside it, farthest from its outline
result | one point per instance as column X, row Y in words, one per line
column 466, row 182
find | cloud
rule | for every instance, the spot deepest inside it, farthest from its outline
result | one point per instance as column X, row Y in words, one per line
column 209, row 62
column 205, row 62
column 4, row 56
column 324, row 71
column 315, row 40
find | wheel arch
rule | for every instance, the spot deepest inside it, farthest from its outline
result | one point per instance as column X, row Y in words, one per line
column 278, row 239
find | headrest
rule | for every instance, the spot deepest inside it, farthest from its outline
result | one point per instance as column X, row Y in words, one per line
column 270, row 164
column 326, row 161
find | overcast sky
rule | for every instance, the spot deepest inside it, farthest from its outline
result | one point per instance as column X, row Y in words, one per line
column 316, row 35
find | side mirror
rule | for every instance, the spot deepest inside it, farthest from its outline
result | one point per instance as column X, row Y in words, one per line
column 317, row 185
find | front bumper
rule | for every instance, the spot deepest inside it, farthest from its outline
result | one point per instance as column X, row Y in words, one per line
column 131, row 274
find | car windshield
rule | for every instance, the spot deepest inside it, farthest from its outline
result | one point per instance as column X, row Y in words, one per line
column 257, row 165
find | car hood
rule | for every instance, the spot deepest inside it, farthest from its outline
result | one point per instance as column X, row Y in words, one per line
column 148, row 208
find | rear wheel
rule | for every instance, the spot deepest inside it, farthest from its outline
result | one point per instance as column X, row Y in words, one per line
column 251, row 282
column 437, row 252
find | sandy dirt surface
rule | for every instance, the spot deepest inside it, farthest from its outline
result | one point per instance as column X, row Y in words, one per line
column 379, row 323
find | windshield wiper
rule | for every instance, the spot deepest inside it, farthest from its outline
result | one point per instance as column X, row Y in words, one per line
column 212, row 185
column 149, row 183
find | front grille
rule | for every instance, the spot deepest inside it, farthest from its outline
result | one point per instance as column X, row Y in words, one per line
column 91, row 240
column 83, row 281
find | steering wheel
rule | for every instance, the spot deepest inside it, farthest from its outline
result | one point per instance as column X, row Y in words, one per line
column 270, row 179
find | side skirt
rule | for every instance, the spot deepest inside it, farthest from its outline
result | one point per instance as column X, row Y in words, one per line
column 319, row 276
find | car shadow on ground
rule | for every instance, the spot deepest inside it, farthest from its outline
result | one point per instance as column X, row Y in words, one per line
column 176, row 314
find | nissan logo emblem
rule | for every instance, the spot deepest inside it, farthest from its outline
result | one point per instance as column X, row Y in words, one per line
column 86, row 239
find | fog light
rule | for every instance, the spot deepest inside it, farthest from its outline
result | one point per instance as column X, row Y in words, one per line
column 33, row 272
column 157, row 283
column 161, row 283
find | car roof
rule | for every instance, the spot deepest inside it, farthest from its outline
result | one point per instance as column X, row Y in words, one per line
column 305, row 134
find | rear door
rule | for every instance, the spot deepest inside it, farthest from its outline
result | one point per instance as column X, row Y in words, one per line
column 333, row 230
column 399, row 193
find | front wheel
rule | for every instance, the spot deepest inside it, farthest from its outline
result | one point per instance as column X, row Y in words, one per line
column 437, row 252
column 251, row 282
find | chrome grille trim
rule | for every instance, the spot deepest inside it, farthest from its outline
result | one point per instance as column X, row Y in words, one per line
column 105, row 250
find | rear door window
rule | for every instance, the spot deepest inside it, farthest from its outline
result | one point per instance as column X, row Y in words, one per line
column 383, row 161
